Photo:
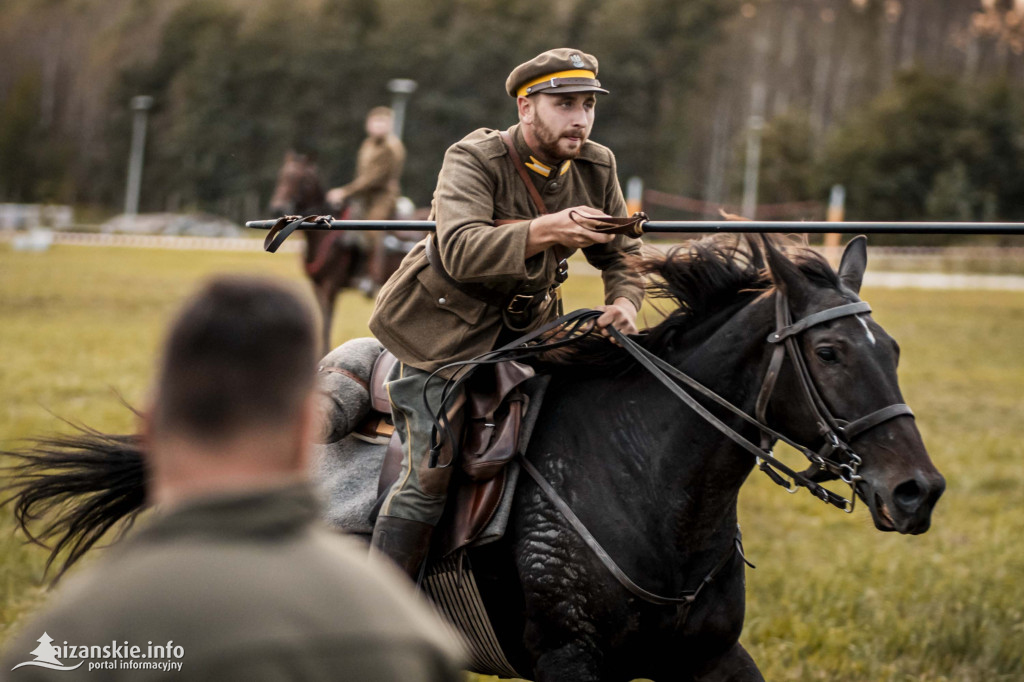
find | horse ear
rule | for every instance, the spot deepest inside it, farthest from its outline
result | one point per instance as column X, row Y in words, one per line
column 785, row 275
column 854, row 263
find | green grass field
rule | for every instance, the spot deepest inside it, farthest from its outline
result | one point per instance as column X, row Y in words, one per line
column 831, row 599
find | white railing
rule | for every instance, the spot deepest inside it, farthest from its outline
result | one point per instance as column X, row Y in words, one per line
column 155, row 241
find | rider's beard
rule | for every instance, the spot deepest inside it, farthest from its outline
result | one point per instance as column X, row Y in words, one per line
column 554, row 146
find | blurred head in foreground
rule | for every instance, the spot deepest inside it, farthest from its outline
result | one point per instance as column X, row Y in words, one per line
column 232, row 406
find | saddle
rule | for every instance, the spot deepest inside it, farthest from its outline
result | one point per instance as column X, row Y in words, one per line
column 491, row 420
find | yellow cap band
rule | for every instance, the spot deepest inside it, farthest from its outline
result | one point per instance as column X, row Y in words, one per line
column 574, row 73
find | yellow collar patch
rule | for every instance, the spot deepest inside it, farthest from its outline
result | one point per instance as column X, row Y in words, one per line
column 542, row 169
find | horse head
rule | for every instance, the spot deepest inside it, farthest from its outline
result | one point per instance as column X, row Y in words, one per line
column 847, row 386
column 298, row 189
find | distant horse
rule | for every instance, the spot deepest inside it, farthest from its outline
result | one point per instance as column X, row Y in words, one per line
column 333, row 260
column 656, row 482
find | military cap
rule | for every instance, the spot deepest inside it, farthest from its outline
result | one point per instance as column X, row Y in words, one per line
column 560, row 70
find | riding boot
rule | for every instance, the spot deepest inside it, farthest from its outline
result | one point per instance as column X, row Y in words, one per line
column 404, row 541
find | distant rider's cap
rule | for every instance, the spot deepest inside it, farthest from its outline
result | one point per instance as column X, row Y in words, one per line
column 555, row 71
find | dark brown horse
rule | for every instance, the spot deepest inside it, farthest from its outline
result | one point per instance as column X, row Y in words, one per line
column 333, row 260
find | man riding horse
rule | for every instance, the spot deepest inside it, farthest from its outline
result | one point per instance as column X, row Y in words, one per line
column 378, row 168
column 511, row 207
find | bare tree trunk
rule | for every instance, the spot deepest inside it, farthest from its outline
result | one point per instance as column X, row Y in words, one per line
column 908, row 38
column 720, row 136
column 822, row 75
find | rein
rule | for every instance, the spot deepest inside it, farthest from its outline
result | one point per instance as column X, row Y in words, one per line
column 837, row 433
column 686, row 598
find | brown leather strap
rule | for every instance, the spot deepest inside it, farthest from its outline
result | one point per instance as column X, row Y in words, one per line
column 561, row 253
column 288, row 224
column 538, row 201
column 347, row 374
column 633, row 226
column 685, row 599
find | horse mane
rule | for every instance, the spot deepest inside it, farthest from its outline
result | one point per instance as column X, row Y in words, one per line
column 704, row 280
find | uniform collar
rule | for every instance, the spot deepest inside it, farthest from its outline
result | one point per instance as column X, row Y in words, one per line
column 544, row 170
column 531, row 161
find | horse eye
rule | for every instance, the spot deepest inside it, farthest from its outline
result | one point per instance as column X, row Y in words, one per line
column 827, row 354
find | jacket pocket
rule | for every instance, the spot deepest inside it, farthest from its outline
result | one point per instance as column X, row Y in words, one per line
column 446, row 297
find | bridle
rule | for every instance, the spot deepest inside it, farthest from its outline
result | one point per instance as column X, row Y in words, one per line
column 838, row 433
column 836, row 458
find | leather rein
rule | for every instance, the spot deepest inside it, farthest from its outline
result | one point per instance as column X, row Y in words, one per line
column 825, row 465
column 838, row 433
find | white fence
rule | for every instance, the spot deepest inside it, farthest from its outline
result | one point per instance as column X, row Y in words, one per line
column 26, row 216
column 158, row 241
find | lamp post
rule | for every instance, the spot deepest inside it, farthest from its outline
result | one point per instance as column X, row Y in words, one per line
column 141, row 106
column 755, row 127
column 400, row 89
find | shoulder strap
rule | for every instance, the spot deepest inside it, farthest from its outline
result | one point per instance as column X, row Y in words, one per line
column 561, row 253
column 538, row 201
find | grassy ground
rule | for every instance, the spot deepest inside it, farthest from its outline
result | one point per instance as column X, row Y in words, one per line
column 831, row 599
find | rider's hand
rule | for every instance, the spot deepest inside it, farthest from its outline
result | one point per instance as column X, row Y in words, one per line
column 568, row 227
column 335, row 198
column 621, row 314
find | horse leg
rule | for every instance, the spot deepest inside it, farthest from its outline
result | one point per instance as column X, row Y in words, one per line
column 330, row 296
column 325, row 303
column 735, row 665
column 570, row 662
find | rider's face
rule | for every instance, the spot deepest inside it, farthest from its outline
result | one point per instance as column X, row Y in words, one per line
column 378, row 126
column 556, row 126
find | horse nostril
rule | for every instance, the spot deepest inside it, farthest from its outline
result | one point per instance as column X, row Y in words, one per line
column 908, row 495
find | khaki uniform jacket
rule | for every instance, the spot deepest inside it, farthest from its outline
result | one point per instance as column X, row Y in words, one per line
column 378, row 169
column 251, row 588
column 427, row 322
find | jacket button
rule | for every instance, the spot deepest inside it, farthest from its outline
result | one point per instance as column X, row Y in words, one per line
column 553, row 186
column 442, row 300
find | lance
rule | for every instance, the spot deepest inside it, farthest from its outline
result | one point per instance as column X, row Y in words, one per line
column 671, row 227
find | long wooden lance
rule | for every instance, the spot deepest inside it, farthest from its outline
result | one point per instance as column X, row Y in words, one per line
column 682, row 227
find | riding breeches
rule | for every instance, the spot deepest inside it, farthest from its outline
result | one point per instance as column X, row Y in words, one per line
column 420, row 492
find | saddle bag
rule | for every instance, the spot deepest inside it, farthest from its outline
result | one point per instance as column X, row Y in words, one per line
column 494, row 414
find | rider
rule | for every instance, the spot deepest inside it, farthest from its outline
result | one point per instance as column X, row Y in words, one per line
column 492, row 242
column 378, row 168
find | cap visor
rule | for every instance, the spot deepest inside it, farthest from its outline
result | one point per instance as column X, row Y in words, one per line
column 570, row 88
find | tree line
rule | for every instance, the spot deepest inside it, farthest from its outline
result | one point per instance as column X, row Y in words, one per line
column 914, row 105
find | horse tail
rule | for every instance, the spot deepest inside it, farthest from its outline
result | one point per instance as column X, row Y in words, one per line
column 76, row 488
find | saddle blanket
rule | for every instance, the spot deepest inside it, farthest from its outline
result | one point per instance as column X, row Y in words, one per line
column 347, row 469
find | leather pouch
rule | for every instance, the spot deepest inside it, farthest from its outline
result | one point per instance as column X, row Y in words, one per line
column 494, row 414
